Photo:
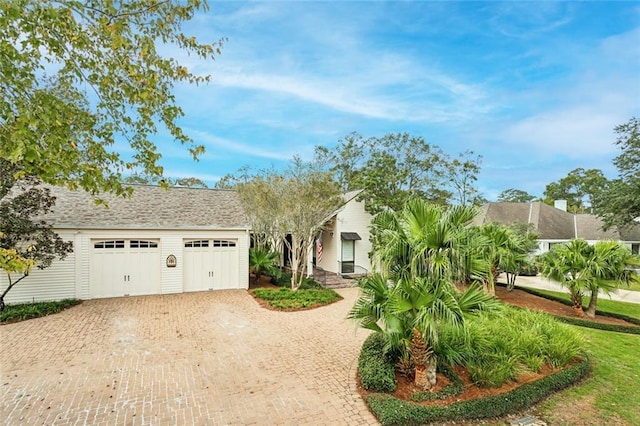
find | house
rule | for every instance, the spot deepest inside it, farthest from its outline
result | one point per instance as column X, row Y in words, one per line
column 555, row 225
column 159, row 241
column 344, row 240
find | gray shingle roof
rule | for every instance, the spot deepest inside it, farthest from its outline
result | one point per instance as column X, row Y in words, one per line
column 150, row 207
column 552, row 223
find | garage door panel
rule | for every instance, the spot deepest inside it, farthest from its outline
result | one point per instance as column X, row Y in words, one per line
column 124, row 267
column 210, row 265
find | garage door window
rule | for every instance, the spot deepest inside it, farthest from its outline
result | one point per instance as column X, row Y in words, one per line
column 143, row 244
column 224, row 243
column 109, row 244
column 199, row 243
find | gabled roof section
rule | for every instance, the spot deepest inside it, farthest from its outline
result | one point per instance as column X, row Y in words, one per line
column 150, row 207
column 552, row 223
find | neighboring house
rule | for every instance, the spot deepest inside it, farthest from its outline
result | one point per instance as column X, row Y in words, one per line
column 555, row 225
column 157, row 242
column 345, row 239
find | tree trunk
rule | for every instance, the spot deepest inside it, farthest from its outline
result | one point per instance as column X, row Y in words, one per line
column 593, row 302
column 2, row 305
column 424, row 361
column 576, row 299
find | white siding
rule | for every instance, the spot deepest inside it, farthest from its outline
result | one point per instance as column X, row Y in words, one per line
column 53, row 283
column 171, row 278
column 354, row 218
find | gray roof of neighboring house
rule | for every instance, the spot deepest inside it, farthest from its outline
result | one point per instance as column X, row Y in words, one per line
column 150, row 207
column 552, row 223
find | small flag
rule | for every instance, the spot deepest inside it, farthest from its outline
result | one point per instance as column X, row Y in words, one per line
column 319, row 250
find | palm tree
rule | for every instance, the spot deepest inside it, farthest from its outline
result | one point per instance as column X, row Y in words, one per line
column 611, row 265
column 506, row 250
column 423, row 251
column 584, row 268
column 409, row 314
column 262, row 261
column 425, row 239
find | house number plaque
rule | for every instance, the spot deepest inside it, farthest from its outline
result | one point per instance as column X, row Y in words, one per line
column 171, row 261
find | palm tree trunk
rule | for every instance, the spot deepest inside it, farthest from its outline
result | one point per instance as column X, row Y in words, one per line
column 576, row 299
column 593, row 302
column 424, row 361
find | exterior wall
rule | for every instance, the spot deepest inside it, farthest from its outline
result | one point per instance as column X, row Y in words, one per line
column 352, row 218
column 53, row 283
column 70, row 278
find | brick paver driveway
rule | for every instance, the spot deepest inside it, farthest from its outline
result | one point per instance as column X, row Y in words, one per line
column 200, row 358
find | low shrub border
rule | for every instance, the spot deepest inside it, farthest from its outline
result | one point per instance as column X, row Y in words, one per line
column 376, row 372
column 629, row 319
column 392, row 411
column 25, row 311
column 289, row 300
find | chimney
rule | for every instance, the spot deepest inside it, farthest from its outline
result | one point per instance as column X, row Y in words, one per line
column 560, row 204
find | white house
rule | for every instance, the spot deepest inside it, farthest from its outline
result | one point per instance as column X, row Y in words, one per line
column 159, row 241
column 345, row 239
column 556, row 225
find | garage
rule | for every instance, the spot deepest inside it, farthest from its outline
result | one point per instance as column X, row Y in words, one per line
column 158, row 241
column 124, row 268
column 211, row 264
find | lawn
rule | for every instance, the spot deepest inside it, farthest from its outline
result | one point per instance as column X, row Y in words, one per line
column 610, row 394
column 604, row 304
column 288, row 300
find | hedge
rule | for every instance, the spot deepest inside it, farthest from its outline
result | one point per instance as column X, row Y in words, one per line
column 376, row 372
column 587, row 323
column 392, row 411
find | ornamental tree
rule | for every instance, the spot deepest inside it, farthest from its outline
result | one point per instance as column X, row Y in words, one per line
column 82, row 78
column 26, row 240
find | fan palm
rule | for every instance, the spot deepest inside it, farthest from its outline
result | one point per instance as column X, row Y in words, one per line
column 422, row 250
column 584, row 268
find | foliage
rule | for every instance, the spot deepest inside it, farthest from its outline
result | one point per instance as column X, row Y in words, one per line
column 79, row 77
column 391, row 411
column 579, row 188
column 422, row 250
column 454, row 388
column 25, row 311
column 296, row 202
column 262, row 262
column 513, row 195
column 376, row 371
column 507, row 249
column 589, row 268
column 396, row 167
column 619, row 202
column 26, row 239
column 496, row 346
column 287, row 299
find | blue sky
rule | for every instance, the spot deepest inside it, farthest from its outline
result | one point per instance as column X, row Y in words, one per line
column 534, row 87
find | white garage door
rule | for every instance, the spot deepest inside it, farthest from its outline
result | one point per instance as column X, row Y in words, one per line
column 124, row 268
column 211, row 265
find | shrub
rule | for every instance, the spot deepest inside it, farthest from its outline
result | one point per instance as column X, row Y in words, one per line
column 392, row 411
column 377, row 371
column 25, row 311
column 288, row 299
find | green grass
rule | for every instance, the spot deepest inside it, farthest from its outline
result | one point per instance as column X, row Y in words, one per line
column 289, row 300
column 610, row 395
column 604, row 304
column 25, row 311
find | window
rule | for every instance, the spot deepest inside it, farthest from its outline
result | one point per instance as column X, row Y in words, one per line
column 143, row 244
column 109, row 244
column 635, row 248
column 224, row 243
column 197, row 243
